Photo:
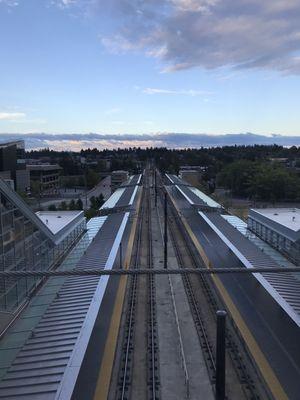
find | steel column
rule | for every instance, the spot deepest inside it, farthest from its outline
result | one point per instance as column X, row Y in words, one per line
column 166, row 233
column 220, row 355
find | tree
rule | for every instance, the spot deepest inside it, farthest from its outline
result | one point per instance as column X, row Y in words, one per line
column 236, row 176
column 274, row 183
column 100, row 200
column 90, row 213
column 79, row 204
column 93, row 202
column 63, row 206
column 72, row 205
column 96, row 202
column 52, row 207
column 92, row 178
column 35, row 188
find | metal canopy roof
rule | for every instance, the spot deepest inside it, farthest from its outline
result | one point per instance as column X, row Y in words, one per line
column 124, row 195
column 193, row 195
column 284, row 288
column 48, row 364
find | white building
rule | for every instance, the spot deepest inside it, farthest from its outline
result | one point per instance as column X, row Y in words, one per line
column 279, row 227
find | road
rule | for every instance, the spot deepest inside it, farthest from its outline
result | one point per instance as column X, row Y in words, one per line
column 103, row 187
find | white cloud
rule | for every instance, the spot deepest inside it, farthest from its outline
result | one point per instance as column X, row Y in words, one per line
column 208, row 33
column 9, row 3
column 65, row 3
column 189, row 92
column 11, row 116
column 76, row 142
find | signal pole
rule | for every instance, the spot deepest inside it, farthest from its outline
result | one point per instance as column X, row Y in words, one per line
column 166, row 233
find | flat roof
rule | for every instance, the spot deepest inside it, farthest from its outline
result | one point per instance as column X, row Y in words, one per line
column 288, row 217
column 19, row 143
column 187, row 171
column 45, row 167
column 57, row 220
column 120, row 171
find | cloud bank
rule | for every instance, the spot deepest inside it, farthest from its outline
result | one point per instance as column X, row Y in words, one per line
column 11, row 116
column 183, row 34
column 76, row 142
column 208, row 33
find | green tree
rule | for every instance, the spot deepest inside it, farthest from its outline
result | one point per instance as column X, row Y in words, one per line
column 100, row 200
column 52, row 207
column 237, row 176
column 72, row 205
column 63, row 206
column 274, row 183
column 79, row 204
column 92, row 178
column 94, row 202
column 35, row 188
column 90, row 213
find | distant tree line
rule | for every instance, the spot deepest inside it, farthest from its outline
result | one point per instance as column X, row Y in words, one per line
column 259, row 180
column 246, row 171
column 64, row 206
column 95, row 203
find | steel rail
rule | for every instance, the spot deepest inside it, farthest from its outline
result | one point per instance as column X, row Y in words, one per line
column 143, row 271
column 181, row 349
column 199, row 324
column 203, row 338
column 233, row 349
column 131, row 315
column 152, row 337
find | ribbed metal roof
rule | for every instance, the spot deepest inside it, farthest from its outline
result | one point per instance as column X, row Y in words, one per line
column 193, row 195
column 113, row 199
column 124, row 195
column 48, row 364
column 135, row 180
column 128, row 196
column 284, row 288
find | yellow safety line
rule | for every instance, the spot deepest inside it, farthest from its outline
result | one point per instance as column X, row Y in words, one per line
column 104, row 377
column 261, row 361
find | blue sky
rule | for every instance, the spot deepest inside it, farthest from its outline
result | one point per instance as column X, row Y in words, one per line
column 195, row 66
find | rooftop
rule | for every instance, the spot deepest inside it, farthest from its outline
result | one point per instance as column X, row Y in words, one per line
column 288, row 217
column 19, row 143
column 57, row 220
column 45, row 167
column 119, row 172
column 187, row 171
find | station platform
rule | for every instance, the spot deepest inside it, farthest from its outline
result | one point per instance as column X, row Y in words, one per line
column 55, row 348
column 264, row 307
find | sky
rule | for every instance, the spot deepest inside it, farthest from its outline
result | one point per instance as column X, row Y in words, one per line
column 150, row 67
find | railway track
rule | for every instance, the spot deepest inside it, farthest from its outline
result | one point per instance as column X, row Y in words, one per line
column 153, row 377
column 138, row 374
column 241, row 383
column 178, row 328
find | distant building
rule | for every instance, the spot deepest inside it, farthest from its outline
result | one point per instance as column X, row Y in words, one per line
column 191, row 176
column 280, row 227
column 279, row 160
column 12, row 164
column 31, row 241
column 117, row 178
column 47, row 176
